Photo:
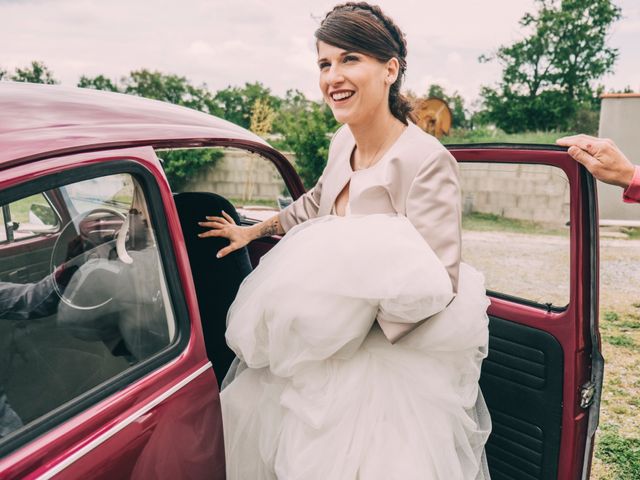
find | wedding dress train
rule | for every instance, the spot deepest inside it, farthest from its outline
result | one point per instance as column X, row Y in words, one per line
column 318, row 392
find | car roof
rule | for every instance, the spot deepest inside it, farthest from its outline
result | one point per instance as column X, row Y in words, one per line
column 38, row 120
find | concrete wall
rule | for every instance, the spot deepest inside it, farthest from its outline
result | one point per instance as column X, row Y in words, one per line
column 537, row 193
column 241, row 175
column 619, row 121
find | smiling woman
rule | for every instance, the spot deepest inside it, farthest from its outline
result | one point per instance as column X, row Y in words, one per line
column 369, row 367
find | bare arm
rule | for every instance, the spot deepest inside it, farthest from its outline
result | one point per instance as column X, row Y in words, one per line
column 268, row 227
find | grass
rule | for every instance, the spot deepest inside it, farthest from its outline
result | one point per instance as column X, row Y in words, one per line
column 490, row 222
column 489, row 135
column 620, row 341
column 633, row 233
column 238, row 202
column 617, row 447
column 20, row 208
column 611, row 316
column 620, row 452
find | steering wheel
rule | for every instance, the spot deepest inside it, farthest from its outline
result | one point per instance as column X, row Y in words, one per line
column 88, row 242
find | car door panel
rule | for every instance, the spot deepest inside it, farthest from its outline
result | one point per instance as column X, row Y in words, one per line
column 539, row 355
column 526, row 422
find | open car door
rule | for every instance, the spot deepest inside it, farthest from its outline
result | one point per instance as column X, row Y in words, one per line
column 530, row 225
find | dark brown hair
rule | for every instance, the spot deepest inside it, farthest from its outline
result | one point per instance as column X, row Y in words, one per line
column 360, row 27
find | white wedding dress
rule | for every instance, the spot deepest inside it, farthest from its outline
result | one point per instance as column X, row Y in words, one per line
column 320, row 393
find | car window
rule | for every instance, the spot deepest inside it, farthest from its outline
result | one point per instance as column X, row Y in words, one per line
column 3, row 227
column 516, row 229
column 28, row 217
column 114, row 191
column 83, row 306
column 249, row 181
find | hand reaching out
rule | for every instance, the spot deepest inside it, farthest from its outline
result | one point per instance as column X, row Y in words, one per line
column 601, row 157
column 226, row 227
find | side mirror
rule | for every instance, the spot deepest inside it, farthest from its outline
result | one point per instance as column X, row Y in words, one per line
column 42, row 215
column 42, row 220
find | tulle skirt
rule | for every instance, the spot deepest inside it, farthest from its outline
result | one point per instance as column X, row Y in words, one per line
column 318, row 392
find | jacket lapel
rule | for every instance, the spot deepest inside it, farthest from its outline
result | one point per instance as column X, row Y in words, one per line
column 338, row 172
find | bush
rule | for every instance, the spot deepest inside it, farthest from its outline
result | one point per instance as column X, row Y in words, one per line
column 586, row 121
column 181, row 165
column 307, row 127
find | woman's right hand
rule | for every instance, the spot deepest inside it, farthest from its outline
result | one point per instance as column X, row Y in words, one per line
column 227, row 228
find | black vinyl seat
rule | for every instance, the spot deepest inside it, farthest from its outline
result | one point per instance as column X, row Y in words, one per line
column 216, row 280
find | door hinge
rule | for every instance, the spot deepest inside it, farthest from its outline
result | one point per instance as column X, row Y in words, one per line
column 587, row 393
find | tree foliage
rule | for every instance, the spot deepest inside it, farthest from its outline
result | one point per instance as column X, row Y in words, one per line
column 307, row 127
column 169, row 88
column 97, row 83
column 37, row 72
column 179, row 165
column 549, row 74
column 455, row 102
column 262, row 115
column 235, row 103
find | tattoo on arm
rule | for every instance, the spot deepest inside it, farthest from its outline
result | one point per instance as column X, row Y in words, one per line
column 270, row 227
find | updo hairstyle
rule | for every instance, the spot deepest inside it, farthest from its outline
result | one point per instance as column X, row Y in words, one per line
column 360, row 27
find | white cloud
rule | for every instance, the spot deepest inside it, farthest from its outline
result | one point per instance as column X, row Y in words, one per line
column 199, row 48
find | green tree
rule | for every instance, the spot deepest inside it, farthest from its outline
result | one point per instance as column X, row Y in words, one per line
column 97, row 83
column 262, row 116
column 455, row 102
column 548, row 74
column 307, row 127
column 37, row 72
column 169, row 88
column 235, row 103
column 3, row 73
column 180, row 164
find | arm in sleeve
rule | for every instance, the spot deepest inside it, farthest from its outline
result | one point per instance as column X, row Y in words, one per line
column 433, row 207
column 632, row 192
column 28, row 301
column 304, row 208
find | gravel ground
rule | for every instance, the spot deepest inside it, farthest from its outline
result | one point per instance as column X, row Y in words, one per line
column 536, row 267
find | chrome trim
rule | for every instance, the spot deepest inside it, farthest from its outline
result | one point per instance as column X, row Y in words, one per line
column 124, row 423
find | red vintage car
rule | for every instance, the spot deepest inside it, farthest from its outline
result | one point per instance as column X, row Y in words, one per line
column 111, row 359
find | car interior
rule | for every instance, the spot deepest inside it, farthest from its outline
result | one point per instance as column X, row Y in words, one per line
column 111, row 311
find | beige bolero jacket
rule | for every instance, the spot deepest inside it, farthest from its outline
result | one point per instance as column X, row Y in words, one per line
column 417, row 177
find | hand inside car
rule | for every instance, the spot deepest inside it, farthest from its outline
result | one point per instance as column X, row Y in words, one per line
column 601, row 157
column 226, row 227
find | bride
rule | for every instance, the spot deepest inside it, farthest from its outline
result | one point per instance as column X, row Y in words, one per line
column 360, row 336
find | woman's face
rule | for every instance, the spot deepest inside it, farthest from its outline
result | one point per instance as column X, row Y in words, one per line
column 354, row 85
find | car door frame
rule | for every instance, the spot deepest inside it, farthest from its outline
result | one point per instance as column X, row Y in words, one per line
column 71, row 434
column 584, row 364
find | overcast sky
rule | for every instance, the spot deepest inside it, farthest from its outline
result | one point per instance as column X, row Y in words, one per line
column 223, row 43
